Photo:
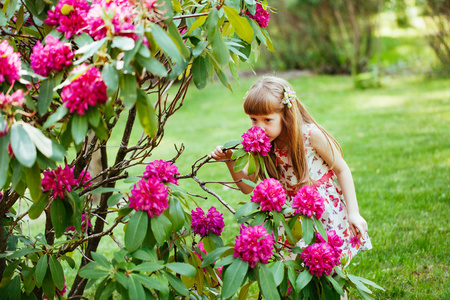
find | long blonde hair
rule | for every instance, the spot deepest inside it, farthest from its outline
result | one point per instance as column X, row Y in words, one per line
column 264, row 98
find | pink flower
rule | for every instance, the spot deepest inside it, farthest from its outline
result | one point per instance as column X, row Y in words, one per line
column 253, row 245
column 320, row 258
column 355, row 241
column 59, row 180
column 163, row 170
column 122, row 13
column 269, row 194
column 149, row 195
column 54, row 56
column 84, row 177
column 10, row 64
column 334, row 241
column 86, row 90
column 7, row 101
column 256, row 140
column 84, row 224
column 69, row 16
column 203, row 225
column 309, row 202
column 261, row 15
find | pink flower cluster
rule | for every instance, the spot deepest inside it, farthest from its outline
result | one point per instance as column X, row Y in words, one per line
column 308, row 202
column 163, row 170
column 203, row 225
column 69, row 16
column 321, row 257
column 149, row 195
column 84, row 224
column 10, row 65
column 15, row 99
column 256, row 140
column 86, row 90
column 122, row 21
column 59, row 181
column 54, row 56
column 270, row 194
column 261, row 15
column 253, row 245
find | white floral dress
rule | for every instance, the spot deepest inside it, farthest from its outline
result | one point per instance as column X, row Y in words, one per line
column 335, row 215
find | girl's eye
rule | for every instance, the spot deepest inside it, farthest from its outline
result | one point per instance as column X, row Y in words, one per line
column 253, row 119
column 268, row 120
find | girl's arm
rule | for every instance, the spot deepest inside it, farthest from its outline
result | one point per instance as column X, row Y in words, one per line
column 219, row 155
column 333, row 157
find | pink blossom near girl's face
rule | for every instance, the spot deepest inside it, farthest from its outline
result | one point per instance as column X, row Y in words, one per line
column 270, row 194
column 10, row 64
column 320, row 258
column 308, row 202
column 261, row 16
column 254, row 244
column 163, row 170
column 150, row 196
column 86, row 90
column 59, row 181
column 69, row 17
column 203, row 225
column 256, row 140
column 54, row 56
column 272, row 124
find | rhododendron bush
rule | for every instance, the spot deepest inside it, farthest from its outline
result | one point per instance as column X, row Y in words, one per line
column 69, row 70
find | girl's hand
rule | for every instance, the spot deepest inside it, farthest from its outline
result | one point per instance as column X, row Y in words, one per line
column 358, row 225
column 219, row 154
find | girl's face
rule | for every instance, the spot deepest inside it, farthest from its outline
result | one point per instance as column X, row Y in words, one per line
column 272, row 124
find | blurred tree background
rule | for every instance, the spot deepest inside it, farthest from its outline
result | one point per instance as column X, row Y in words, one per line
column 366, row 39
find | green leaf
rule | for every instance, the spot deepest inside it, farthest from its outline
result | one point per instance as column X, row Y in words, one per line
column 177, row 284
column 211, row 23
column 122, row 42
column 57, row 272
column 302, row 280
column 93, row 271
column 219, row 49
column 240, row 163
column 182, row 268
column 48, row 286
column 308, row 229
column 152, row 65
column 45, row 94
column 208, row 244
column 58, row 152
column 175, row 34
column 231, row 144
column 79, row 128
column 41, row 269
column 128, row 90
column 83, row 39
column 19, row 21
column 114, row 199
column 146, row 114
column 238, row 153
column 162, row 228
column 267, row 282
column 88, row 50
column 110, row 76
column 246, row 209
column 338, row 288
column 135, row 289
column 199, row 72
column 58, row 215
column 363, row 280
column 42, row 143
column 148, row 267
column 104, row 190
column 33, row 178
column 251, row 165
column 136, row 230
column 240, row 24
column 56, row 116
column 166, row 43
column 4, row 158
column 234, row 275
column 101, row 260
column 198, row 22
column 320, row 228
column 213, row 256
column 148, row 281
column 176, row 214
column 38, row 207
column 94, row 116
column 22, row 145
column 278, row 272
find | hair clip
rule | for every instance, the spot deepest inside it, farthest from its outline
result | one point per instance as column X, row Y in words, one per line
column 289, row 97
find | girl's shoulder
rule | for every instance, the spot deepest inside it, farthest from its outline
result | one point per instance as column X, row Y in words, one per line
column 307, row 128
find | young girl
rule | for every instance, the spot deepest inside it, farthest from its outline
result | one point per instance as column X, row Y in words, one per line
column 304, row 154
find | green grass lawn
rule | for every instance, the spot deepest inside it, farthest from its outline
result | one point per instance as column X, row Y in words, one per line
column 397, row 142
